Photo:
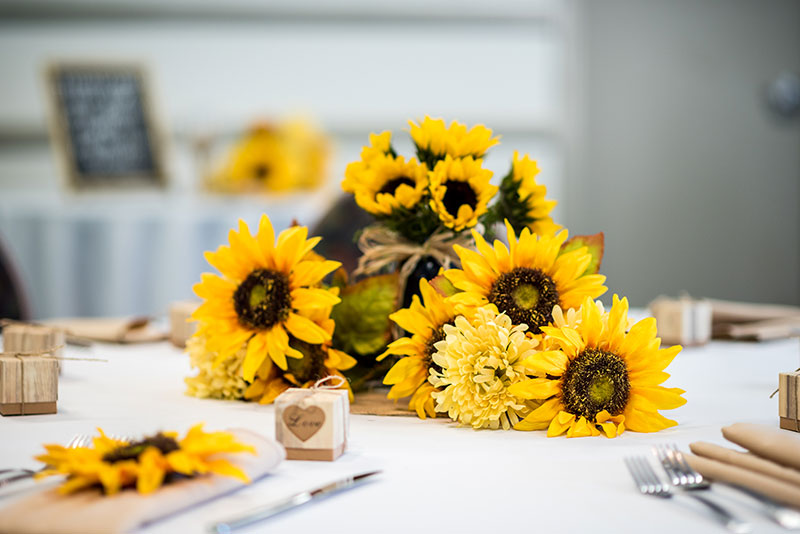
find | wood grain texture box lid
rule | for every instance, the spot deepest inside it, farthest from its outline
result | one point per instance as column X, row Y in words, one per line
column 28, row 384
column 313, row 424
column 682, row 321
column 27, row 338
column 788, row 395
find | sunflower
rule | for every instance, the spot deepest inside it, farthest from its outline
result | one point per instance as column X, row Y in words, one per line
column 522, row 200
column 525, row 280
column 380, row 145
column 425, row 320
column 480, row 360
column 267, row 292
column 434, row 140
column 146, row 464
column 460, row 191
column 599, row 377
column 390, row 183
column 258, row 161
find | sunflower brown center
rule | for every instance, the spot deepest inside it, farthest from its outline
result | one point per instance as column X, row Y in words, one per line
column 391, row 186
column 131, row 451
column 595, row 381
column 458, row 194
column 311, row 367
column 263, row 299
column 526, row 296
column 430, row 349
column 261, row 171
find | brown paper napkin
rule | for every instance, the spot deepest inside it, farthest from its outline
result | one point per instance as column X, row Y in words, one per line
column 110, row 329
column 741, row 320
column 766, row 485
column 745, row 461
column 89, row 512
column 773, row 444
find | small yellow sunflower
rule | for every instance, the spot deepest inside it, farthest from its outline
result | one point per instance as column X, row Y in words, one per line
column 525, row 280
column 599, row 377
column 267, row 291
column 460, row 191
column 434, row 140
column 113, row 464
column 425, row 320
column 522, row 201
column 480, row 360
column 390, row 183
column 258, row 161
column 380, row 145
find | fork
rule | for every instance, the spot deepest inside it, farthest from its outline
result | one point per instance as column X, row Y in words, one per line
column 649, row 483
column 675, row 464
column 78, row 441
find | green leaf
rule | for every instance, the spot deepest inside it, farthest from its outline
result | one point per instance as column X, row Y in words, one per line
column 443, row 286
column 362, row 317
column 595, row 245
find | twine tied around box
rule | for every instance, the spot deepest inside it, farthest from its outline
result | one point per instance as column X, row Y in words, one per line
column 322, row 385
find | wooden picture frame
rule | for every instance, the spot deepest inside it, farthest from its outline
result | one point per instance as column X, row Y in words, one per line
column 103, row 126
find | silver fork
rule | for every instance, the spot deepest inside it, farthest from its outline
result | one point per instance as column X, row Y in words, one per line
column 649, row 483
column 78, row 441
column 675, row 464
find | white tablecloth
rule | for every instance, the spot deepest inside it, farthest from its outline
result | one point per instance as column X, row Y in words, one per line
column 437, row 477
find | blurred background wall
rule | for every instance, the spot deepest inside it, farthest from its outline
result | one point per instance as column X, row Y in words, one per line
column 648, row 119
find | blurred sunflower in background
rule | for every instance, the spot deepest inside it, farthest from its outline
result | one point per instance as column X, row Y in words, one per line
column 424, row 320
column 599, row 377
column 525, row 280
column 522, row 200
column 460, row 191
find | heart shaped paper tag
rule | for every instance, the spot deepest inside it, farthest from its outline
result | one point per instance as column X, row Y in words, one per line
column 303, row 422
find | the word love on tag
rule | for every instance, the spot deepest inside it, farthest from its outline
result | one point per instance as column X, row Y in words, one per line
column 303, row 422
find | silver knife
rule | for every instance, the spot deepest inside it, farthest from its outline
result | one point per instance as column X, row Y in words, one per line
column 298, row 499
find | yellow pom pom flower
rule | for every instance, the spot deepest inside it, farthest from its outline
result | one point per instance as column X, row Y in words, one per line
column 114, row 465
column 460, row 191
column 599, row 377
column 267, row 291
column 480, row 361
column 434, row 140
column 525, row 280
column 425, row 320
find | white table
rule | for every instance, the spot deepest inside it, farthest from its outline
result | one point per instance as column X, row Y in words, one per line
column 437, row 477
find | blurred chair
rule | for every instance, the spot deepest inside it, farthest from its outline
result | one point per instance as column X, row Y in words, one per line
column 14, row 302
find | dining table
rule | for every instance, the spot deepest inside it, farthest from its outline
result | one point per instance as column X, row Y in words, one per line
column 435, row 476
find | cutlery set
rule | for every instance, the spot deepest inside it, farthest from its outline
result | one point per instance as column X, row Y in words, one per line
column 681, row 479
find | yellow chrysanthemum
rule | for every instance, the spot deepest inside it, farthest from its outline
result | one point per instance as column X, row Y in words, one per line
column 599, row 377
column 221, row 381
column 481, row 360
column 425, row 320
column 379, row 145
column 434, row 140
column 525, row 280
column 460, row 191
column 113, row 464
column 522, row 200
column 389, row 183
column 267, row 291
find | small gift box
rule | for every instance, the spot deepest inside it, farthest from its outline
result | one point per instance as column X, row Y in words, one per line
column 313, row 424
column 682, row 321
column 788, row 396
column 28, row 384
column 19, row 338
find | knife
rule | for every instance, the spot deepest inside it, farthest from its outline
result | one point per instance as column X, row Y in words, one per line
column 298, row 499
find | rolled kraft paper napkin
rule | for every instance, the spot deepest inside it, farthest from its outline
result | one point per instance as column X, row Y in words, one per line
column 746, row 461
column 89, row 512
column 110, row 329
column 771, row 487
column 780, row 446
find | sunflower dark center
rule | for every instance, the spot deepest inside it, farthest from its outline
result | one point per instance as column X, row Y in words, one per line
column 594, row 381
column 526, row 296
column 261, row 171
column 311, row 366
column 131, row 451
column 263, row 299
column 430, row 349
column 458, row 194
column 391, row 186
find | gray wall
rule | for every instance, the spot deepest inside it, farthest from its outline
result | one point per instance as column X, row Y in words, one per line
column 681, row 163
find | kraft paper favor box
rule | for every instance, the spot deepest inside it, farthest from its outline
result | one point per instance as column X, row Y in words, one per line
column 788, row 400
column 313, row 424
column 28, row 384
column 682, row 321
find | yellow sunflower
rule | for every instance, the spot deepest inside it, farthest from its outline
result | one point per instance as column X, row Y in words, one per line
column 258, row 161
column 434, row 140
column 380, row 145
column 389, row 183
column 113, row 464
column 267, row 291
column 425, row 320
column 480, row 360
column 460, row 191
column 525, row 280
column 522, row 201
column 599, row 377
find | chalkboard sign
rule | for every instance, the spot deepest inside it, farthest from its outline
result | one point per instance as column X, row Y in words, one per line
column 104, row 127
